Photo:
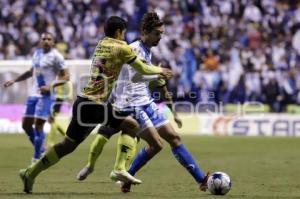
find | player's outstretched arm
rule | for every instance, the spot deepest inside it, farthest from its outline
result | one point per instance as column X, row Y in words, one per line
column 126, row 54
column 20, row 78
column 146, row 69
column 143, row 78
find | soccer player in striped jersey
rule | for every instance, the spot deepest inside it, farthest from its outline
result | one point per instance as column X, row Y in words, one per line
column 91, row 107
column 132, row 94
column 47, row 65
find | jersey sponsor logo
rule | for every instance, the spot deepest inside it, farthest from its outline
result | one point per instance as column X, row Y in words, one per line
column 254, row 125
column 220, row 125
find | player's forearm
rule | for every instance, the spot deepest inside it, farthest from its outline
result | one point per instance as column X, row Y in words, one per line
column 145, row 69
column 24, row 76
column 63, row 77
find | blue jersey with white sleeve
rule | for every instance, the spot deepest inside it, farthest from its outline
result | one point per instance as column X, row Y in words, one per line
column 135, row 97
column 46, row 67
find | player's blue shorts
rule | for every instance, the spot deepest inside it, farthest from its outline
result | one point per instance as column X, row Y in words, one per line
column 149, row 115
column 38, row 107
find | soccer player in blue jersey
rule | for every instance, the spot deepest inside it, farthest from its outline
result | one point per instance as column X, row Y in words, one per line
column 153, row 122
column 131, row 94
column 48, row 70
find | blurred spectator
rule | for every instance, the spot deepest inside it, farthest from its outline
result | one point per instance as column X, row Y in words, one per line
column 271, row 92
column 211, row 62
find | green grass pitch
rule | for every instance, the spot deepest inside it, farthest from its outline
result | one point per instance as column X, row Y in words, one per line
column 259, row 167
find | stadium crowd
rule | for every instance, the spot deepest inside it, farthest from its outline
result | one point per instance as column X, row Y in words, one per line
column 228, row 51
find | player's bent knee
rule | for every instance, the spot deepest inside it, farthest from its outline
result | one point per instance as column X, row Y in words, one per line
column 39, row 124
column 131, row 133
column 65, row 147
column 154, row 148
column 129, row 126
column 107, row 132
column 175, row 141
column 26, row 127
column 158, row 147
column 39, row 127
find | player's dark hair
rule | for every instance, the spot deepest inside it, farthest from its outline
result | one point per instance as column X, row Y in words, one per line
column 112, row 24
column 47, row 33
column 150, row 21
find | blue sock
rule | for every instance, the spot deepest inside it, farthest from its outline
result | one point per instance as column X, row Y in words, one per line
column 186, row 160
column 31, row 136
column 140, row 160
column 38, row 143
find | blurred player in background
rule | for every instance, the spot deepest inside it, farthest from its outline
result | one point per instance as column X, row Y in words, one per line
column 63, row 94
column 132, row 94
column 90, row 107
column 47, row 65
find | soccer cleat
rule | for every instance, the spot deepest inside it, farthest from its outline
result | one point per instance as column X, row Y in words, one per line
column 125, row 188
column 84, row 172
column 27, row 182
column 124, row 176
column 203, row 185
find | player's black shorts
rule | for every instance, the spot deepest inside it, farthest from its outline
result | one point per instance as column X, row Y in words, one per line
column 87, row 115
column 56, row 106
column 108, row 131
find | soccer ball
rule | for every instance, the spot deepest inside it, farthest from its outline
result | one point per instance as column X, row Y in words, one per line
column 219, row 183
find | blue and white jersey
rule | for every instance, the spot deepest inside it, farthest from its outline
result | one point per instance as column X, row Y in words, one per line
column 128, row 93
column 46, row 67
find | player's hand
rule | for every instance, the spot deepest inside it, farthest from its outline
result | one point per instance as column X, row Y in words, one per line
column 45, row 89
column 166, row 73
column 178, row 121
column 8, row 83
